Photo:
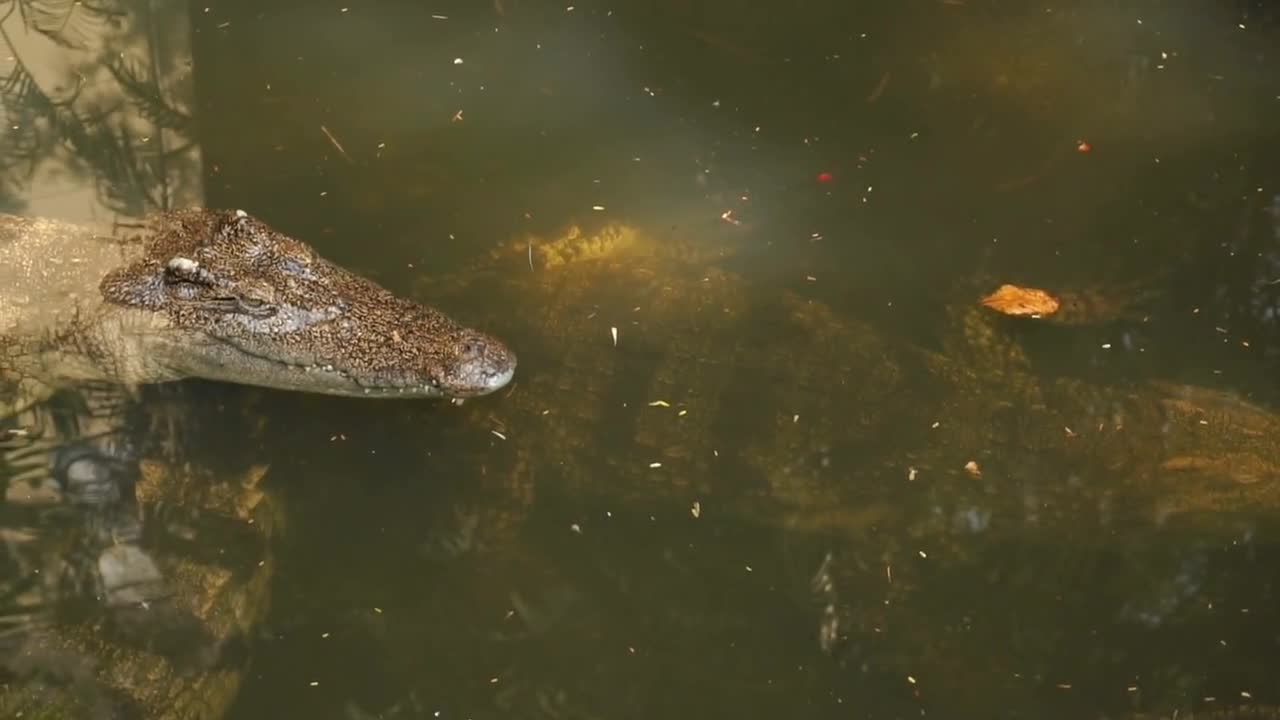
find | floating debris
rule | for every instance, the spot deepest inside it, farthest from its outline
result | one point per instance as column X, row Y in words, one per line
column 337, row 145
column 971, row 467
column 1021, row 302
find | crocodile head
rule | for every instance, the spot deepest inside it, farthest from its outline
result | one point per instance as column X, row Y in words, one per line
column 232, row 299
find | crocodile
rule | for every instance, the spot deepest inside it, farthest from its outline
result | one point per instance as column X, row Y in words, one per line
column 220, row 295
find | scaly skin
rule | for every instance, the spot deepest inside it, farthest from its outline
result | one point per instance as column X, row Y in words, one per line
column 222, row 296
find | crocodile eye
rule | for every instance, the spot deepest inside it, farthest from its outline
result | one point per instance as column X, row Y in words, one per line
column 254, row 305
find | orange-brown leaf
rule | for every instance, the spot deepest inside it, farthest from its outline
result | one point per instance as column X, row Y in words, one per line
column 1021, row 302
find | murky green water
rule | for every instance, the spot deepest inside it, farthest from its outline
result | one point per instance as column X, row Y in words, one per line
column 730, row 477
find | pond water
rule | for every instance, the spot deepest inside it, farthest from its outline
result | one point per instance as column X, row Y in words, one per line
column 764, row 455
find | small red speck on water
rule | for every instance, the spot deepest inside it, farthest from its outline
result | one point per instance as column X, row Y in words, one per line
column 1082, row 146
column 824, row 177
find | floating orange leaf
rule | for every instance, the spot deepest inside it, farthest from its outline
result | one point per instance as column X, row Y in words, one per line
column 1021, row 302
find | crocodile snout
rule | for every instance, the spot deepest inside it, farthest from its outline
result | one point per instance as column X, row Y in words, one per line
column 483, row 365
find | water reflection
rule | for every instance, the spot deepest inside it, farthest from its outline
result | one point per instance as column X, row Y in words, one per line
column 132, row 578
column 96, row 104
column 133, row 572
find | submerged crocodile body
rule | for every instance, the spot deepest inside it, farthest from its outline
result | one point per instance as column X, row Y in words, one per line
column 669, row 403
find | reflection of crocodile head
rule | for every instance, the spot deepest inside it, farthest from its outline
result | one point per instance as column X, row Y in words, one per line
column 220, row 295
column 133, row 631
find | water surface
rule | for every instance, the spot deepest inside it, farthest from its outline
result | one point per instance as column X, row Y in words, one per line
column 752, row 501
